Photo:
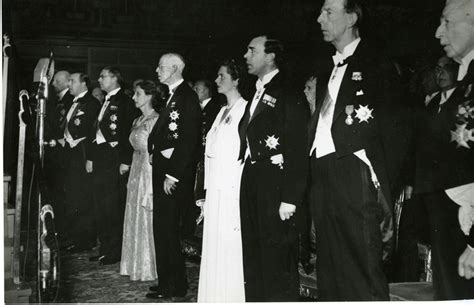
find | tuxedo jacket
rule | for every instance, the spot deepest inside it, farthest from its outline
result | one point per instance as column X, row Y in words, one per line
column 444, row 160
column 81, row 123
column 278, row 126
column 56, row 111
column 178, row 128
column 369, row 81
column 441, row 161
column 116, row 125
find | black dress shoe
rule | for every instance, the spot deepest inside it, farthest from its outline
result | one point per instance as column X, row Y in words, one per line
column 158, row 295
column 165, row 294
column 107, row 260
column 95, row 258
column 156, row 288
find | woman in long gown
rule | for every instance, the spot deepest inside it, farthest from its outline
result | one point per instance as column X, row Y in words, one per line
column 138, row 250
column 221, row 277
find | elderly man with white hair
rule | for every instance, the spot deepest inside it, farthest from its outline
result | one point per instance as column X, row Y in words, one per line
column 173, row 143
column 447, row 156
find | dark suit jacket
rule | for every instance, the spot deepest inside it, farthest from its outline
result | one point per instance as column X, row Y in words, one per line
column 369, row 80
column 56, row 111
column 442, row 162
column 178, row 127
column 82, row 120
column 281, row 114
column 209, row 114
column 116, row 124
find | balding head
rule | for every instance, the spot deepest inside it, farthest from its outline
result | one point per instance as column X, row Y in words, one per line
column 60, row 81
column 457, row 38
column 170, row 68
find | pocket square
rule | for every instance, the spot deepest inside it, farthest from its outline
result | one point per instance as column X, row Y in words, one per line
column 113, row 144
column 167, row 153
column 359, row 93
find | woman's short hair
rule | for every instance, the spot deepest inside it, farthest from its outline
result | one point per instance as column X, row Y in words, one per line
column 159, row 93
column 235, row 70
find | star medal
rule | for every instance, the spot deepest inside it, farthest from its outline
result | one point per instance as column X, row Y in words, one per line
column 462, row 136
column 364, row 113
column 271, row 142
column 174, row 115
column 173, row 126
column 349, row 110
column 77, row 122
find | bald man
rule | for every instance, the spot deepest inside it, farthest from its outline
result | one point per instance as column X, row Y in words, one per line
column 445, row 161
column 173, row 143
column 54, row 162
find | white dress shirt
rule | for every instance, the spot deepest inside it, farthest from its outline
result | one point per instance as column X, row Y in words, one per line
column 99, row 137
column 67, row 134
column 323, row 142
column 260, row 86
column 204, row 103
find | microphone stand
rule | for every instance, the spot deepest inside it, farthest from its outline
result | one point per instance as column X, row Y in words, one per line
column 47, row 258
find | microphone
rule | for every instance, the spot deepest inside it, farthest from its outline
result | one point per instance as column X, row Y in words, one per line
column 41, row 70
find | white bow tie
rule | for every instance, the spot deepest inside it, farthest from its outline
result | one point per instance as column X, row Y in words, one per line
column 338, row 58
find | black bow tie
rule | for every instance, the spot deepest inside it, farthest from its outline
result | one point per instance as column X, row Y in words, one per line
column 344, row 62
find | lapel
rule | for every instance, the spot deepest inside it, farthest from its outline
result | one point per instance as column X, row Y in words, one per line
column 112, row 101
column 270, row 89
column 165, row 112
column 347, row 88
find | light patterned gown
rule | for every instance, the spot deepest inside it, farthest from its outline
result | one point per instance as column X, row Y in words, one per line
column 138, row 249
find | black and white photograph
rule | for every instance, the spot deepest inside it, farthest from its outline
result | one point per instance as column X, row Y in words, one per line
column 233, row 151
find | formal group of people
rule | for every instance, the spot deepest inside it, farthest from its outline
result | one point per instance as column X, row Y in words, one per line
column 254, row 165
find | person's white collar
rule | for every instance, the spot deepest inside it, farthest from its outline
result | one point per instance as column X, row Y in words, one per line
column 266, row 79
column 111, row 93
column 62, row 93
column 346, row 52
column 173, row 86
column 81, row 95
column 204, row 102
column 465, row 65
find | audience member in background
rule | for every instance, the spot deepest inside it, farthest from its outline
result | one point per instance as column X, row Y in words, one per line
column 210, row 106
column 98, row 94
column 221, row 277
column 310, row 92
column 77, row 132
column 109, row 161
column 138, row 248
column 445, row 159
column 307, row 233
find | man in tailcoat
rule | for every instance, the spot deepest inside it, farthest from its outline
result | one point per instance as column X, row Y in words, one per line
column 77, row 131
column 54, row 161
column 356, row 143
column 444, row 175
column 273, row 139
column 173, row 143
column 109, row 159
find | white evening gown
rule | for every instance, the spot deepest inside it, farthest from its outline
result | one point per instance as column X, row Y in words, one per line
column 138, row 248
column 221, row 277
